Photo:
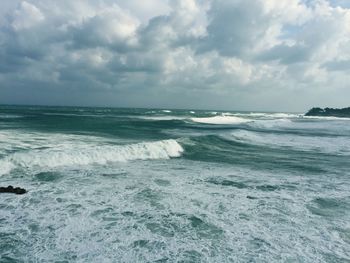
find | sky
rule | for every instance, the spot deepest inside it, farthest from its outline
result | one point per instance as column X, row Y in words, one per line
column 267, row 55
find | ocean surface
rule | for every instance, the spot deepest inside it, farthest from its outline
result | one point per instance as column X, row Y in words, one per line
column 151, row 185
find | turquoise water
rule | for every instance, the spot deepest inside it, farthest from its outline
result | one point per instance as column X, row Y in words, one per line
column 150, row 185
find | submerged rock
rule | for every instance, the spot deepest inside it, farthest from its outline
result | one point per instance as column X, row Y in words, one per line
column 329, row 112
column 14, row 190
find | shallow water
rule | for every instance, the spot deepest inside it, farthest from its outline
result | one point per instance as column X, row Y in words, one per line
column 134, row 185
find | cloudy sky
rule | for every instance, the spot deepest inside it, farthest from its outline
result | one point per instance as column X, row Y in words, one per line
column 281, row 55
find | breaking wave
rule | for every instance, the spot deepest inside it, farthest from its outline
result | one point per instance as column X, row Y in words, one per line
column 221, row 120
column 86, row 155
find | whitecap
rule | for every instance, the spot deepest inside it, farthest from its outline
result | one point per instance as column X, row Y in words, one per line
column 221, row 120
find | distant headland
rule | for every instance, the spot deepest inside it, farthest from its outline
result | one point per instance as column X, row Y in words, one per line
column 329, row 112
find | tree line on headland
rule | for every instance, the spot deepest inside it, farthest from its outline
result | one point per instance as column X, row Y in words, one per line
column 329, row 112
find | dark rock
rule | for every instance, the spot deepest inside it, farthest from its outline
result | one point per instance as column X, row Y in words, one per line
column 251, row 197
column 195, row 221
column 222, row 182
column 267, row 188
column 329, row 112
column 11, row 189
column 19, row 191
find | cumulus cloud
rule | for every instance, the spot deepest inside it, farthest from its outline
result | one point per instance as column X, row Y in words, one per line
column 26, row 16
column 243, row 54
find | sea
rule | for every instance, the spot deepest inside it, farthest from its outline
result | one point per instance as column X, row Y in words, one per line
column 164, row 185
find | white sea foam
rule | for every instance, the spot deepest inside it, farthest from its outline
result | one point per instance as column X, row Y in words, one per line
column 329, row 118
column 86, row 155
column 221, row 120
column 5, row 167
column 228, row 114
column 284, row 115
column 265, row 115
column 263, row 120
column 268, row 124
column 162, row 118
column 166, row 111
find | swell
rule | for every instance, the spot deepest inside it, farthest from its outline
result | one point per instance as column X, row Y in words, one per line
column 222, row 149
column 127, row 127
column 133, row 124
column 339, row 145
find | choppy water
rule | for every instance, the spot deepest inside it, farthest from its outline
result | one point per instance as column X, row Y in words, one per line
column 133, row 185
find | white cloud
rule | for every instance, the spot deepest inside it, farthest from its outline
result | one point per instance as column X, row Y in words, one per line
column 238, row 52
column 26, row 16
column 110, row 26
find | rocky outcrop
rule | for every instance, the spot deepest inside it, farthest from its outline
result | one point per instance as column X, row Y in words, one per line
column 329, row 112
column 13, row 190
